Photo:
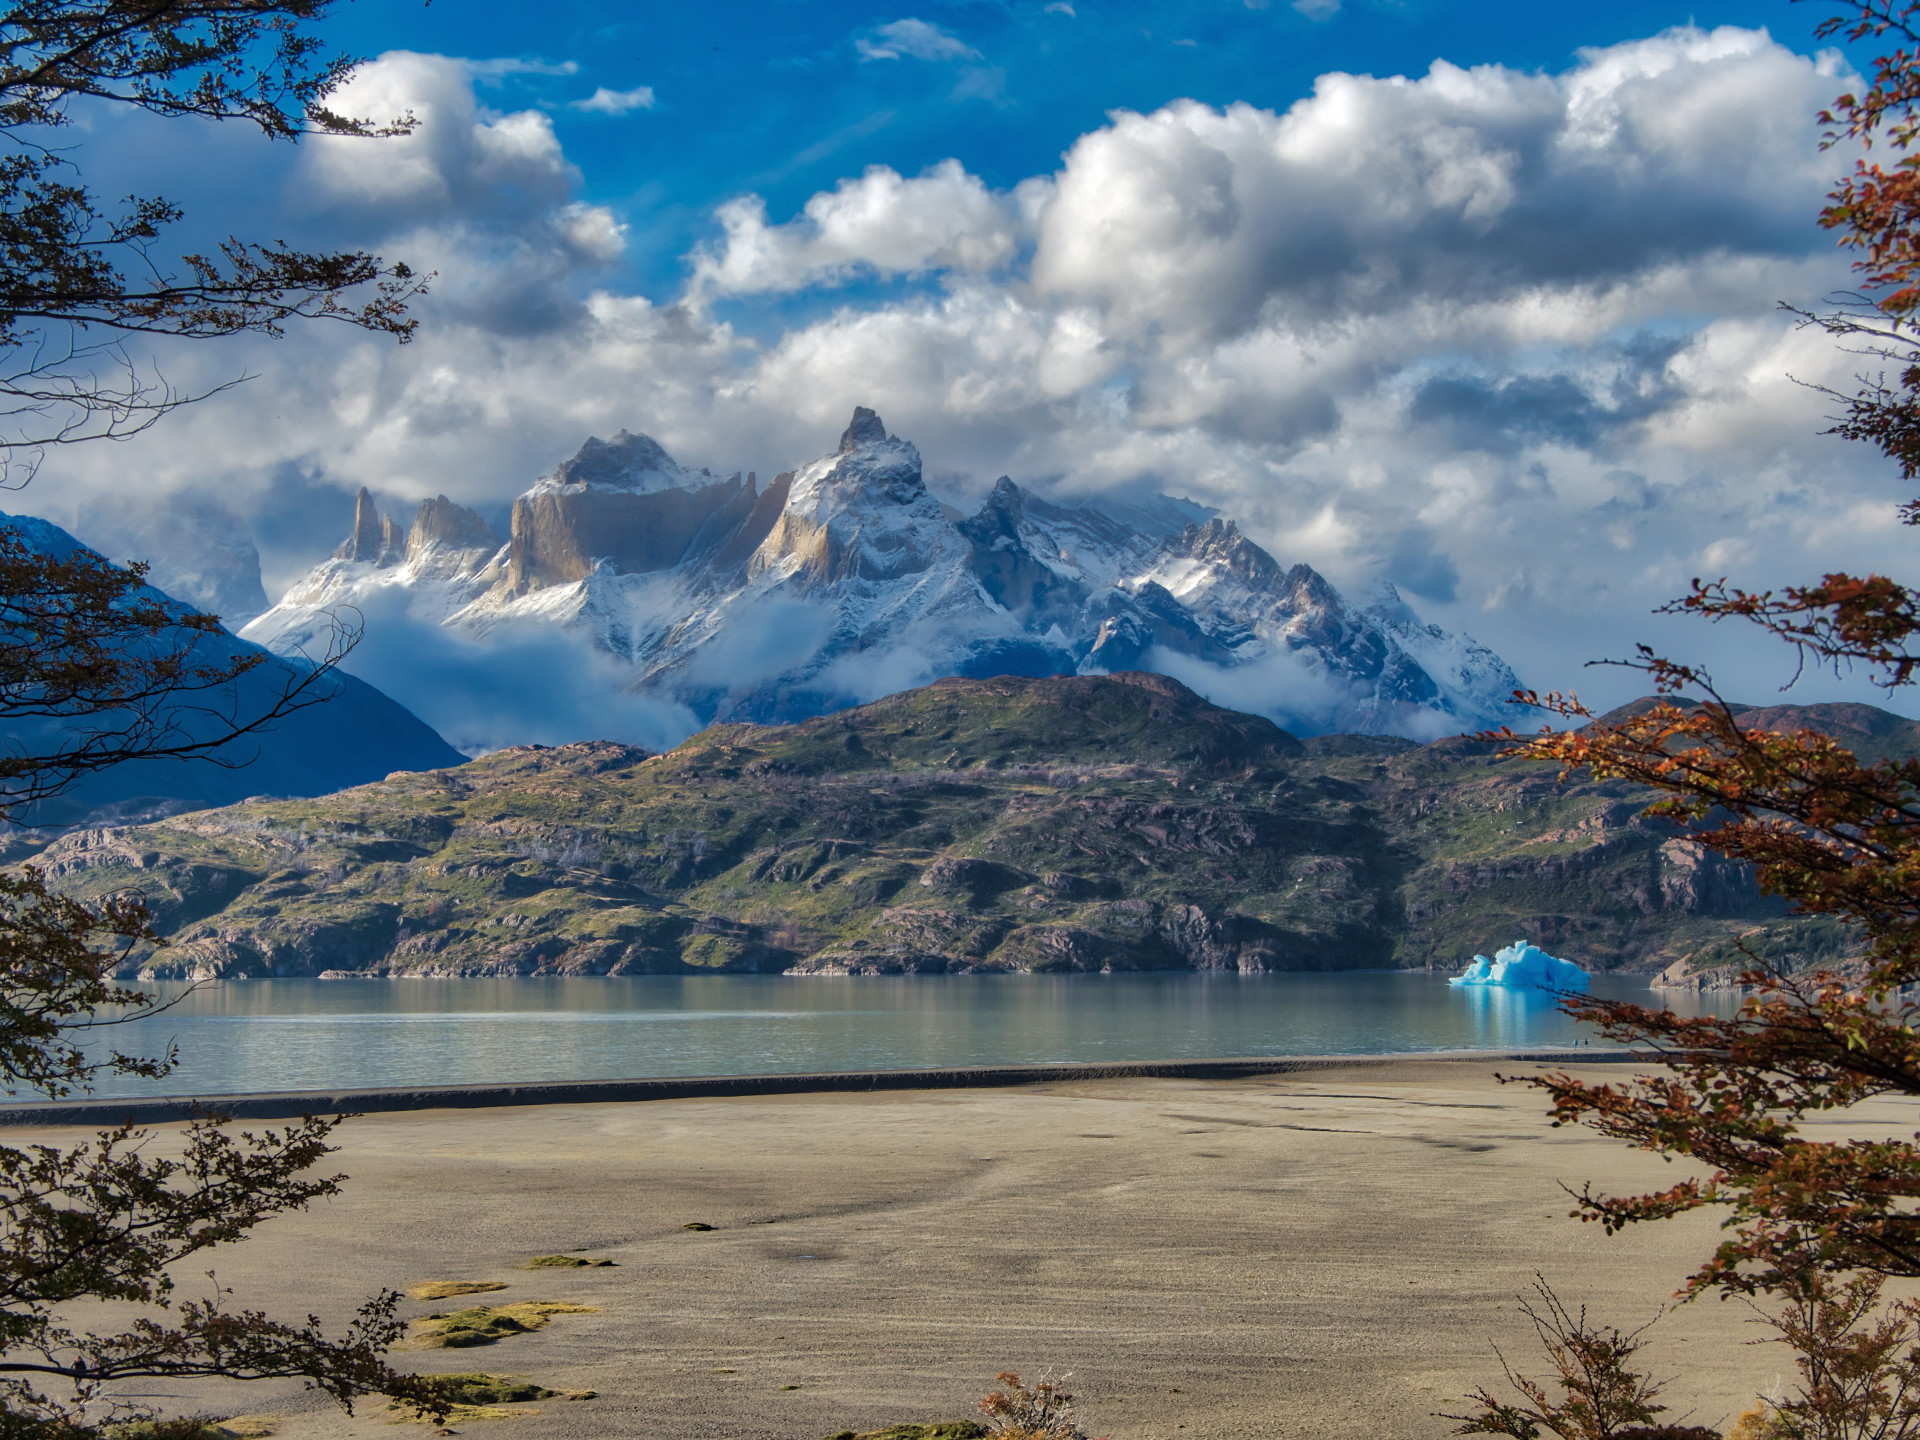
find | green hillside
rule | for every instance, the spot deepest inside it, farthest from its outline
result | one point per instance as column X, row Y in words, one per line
column 1052, row 824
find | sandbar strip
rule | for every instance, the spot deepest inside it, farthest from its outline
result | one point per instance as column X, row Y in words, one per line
column 284, row 1105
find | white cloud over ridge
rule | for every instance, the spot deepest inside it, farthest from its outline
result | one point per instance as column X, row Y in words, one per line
column 514, row 688
column 1507, row 337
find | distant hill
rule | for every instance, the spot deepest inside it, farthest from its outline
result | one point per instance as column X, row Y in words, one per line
column 355, row 736
column 1051, row 824
column 1868, row 731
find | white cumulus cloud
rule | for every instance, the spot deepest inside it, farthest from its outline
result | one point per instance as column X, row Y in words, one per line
column 457, row 159
column 881, row 223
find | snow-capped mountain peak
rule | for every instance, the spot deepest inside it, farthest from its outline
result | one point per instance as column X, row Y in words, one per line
column 637, row 463
column 864, row 429
column 862, row 513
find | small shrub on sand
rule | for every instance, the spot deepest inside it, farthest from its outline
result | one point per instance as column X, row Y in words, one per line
column 565, row 1262
column 1858, row 1362
column 1043, row 1412
column 1602, row 1395
column 487, row 1324
column 447, row 1289
column 1014, row 1412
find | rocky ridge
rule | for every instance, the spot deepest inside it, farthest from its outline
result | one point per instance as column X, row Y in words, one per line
column 847, row 579
column 1031, row 824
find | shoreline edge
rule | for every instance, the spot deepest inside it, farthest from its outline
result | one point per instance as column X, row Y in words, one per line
column 288, row 1105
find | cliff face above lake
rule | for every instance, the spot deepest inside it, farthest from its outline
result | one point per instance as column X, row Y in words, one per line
column 1065, row 823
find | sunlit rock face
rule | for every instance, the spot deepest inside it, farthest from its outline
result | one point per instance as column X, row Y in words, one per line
column 847, row 579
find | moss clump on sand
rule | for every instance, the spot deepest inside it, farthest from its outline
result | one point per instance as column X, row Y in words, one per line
column 474, row 1389
column 696, row 1225
column 239, row 1427
column 461, row 1414
column 481, row 1397
column 447, row 1289
column 939, row 1430
column 565, row 1262
column 488, row 1324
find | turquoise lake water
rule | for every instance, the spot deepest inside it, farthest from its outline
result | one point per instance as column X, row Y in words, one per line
column 315, row 1035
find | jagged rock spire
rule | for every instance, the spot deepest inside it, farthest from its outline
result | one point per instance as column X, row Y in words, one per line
column 375, row 537
column 865, row 429
column 365, row 542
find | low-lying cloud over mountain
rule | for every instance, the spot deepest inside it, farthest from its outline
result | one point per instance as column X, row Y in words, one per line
column 1507, row 338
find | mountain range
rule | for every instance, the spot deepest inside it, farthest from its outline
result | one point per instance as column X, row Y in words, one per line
column 1042, row 824
column 847, row 579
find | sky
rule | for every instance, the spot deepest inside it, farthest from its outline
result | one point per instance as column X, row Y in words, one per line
column 1479, row 297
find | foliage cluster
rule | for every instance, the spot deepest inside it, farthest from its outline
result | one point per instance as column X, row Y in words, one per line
column 1040, row 1411
column 1857, row 1364
column 1833, row 833
column 103, row 671
column 1813, row 1226
column 76, row 275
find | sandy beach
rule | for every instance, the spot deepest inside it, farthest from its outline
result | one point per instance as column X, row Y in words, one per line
column 1329, row 1254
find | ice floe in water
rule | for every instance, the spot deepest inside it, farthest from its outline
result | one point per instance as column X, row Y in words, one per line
column 1522, row 966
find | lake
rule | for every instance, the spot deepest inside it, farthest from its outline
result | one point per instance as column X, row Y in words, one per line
column 241, row 1036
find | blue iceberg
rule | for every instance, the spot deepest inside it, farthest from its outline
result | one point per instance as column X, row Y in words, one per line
column 1523, row 967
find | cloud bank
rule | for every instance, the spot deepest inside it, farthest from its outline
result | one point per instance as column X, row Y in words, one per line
column 1508, row 338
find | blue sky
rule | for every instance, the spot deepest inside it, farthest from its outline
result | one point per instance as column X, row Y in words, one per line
column 783, row 99
column 1479, row 298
